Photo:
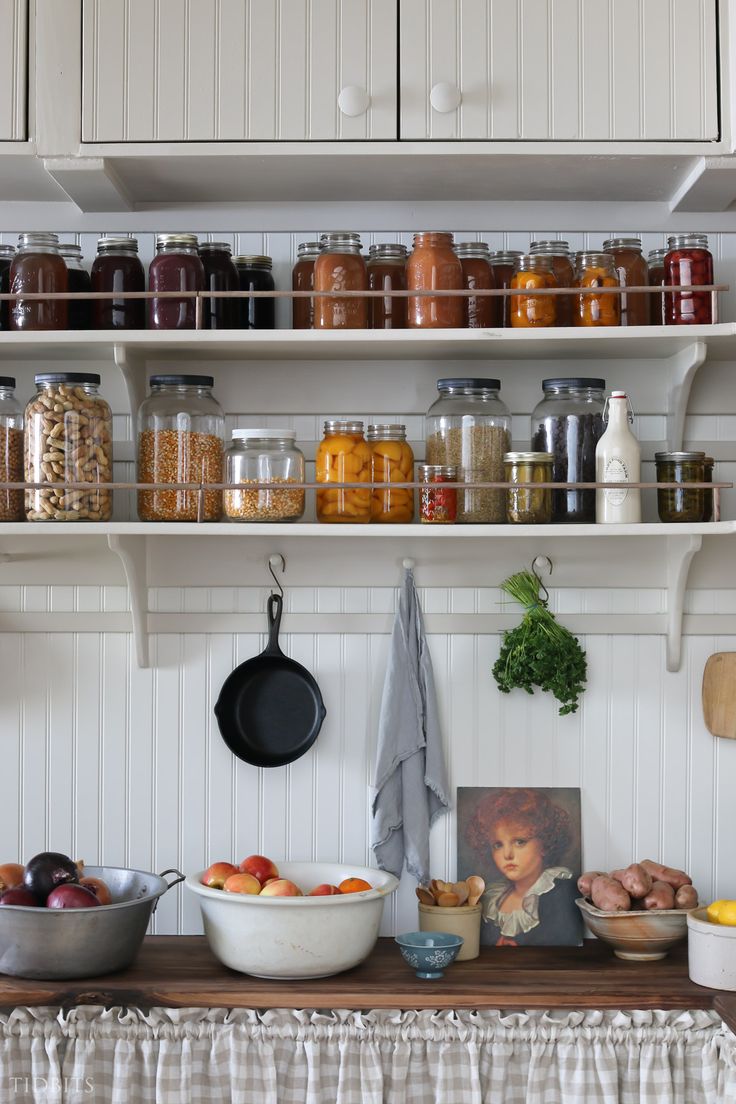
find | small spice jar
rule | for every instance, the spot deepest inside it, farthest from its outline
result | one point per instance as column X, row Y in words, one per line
column 302, row 279
column 11, row 451
column 387, row 272
column 632, row 271
column 264, row 456
column 708, row 466
column 79, row 311
column 437, row 504
column 502, row 265
column 340, row 267
column 117, row 267
column 657, row 306
column 524, row 505
column 254, row 274
column 7, row 252
column 68, row 439
column 38, row 266
column 568, row 423
column 558, row 252
column 176, row 267
column 530, row 274
column 433, row 266
column 595, row 270
column 480, row 313
column 680, row 467
column 181, row 429
column 392, row 461
column 220, row 274
column 343, row 456
column 688, row 261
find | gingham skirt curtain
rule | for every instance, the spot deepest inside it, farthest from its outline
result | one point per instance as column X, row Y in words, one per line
column 208, row 1056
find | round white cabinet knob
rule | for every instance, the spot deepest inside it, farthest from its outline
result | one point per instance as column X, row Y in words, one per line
column 353, row 100
column 445, row 97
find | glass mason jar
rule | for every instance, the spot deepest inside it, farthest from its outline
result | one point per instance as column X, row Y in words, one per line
column 530, row 274
column 503, row 264
column 524, row 505
column 340, row 267
column 264, row 456
column 117, row 267
column 181, row 430
column 480, row 313
column 558, row 252
column 343, row 456
column 79, row 311
column 68, row 439
column 593, row 270
column 7, row 252
column 688, row 261
column 708, row 466
column 392, row 461
column 568, row 423
column 220, row 274
column 302, row 279
column 657, row 303
column 680, row 467
column 254, row 274
column 469, row 427
column 11, row 451
column 387, row 272
column 433, row 266
column 632, row 271
column 437, row 504
column 176, row 267
column 38, row 266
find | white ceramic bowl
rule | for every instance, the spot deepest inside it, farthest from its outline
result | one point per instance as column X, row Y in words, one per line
column 711, row 952
column 636, row 936
column 295, row 937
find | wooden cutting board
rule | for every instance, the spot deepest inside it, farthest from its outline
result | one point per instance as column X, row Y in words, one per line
column 719, row 694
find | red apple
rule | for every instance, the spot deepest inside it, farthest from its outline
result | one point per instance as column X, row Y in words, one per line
column 216, row 875
column 11, row 875
column 281, row 887
column 242, row 883
column 70, row 896
column 19, row 896
column 323, row 890
column 260, row 867
column 99, row 888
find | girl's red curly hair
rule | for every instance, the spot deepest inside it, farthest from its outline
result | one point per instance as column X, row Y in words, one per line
column 547, row 822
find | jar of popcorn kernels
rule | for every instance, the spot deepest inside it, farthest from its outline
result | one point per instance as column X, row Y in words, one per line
column 264, row 456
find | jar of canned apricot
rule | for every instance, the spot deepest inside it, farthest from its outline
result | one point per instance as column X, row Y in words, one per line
column 558, row 252
column 343, row 456
column 392, row 461
column 530, row 274
column 596, row 270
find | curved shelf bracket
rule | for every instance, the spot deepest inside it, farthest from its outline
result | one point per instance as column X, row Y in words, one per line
column 132, row 552
column 132, row 369
column 683, row 366
column 680, row 552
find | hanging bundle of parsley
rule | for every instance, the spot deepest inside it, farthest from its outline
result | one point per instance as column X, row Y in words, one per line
column 539, row 651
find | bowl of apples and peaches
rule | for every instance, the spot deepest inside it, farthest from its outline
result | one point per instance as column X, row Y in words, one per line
column 291, row 920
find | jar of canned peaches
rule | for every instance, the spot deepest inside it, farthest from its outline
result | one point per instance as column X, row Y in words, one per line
column 343, row 456
column 596, row 270
column 531, row 272
column 392, row 461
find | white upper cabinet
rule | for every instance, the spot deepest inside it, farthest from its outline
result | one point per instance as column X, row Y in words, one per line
column 238, row 70
column 14, row 69
column 562, row 70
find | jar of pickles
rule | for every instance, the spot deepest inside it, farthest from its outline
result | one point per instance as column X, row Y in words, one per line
column 387, row 272
column 530, row 274
column 264, row 456
column 502, row 264
column 437, row 504
column 433, row 266
column 526, row 505
column 688, row 261
column 480, row 311
column 343, row 456
column 596, row 270
column 675, row 504
column 655, row 264
column 340, row 267
column 392, row 461
column 302, row 279
column 559, row 253
column 632, row 271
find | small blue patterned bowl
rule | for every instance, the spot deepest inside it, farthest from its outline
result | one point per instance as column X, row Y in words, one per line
column 429, row 952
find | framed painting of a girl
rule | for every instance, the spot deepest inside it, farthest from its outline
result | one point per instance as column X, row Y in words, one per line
column 525, row 843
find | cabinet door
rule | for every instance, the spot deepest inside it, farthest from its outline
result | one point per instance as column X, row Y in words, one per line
column 586, row 70
column 14, row 69
column 237, row 70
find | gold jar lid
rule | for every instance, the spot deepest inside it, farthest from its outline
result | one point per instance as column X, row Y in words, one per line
column 528, row 458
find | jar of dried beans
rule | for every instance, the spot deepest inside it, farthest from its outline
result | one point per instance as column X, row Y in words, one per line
column 340, row 267
column 596, row 270
column 343, row 456
column 11, row 451
column 568, row 423
column 258, row 456
column 181, row 429
column 392, row 461
column 688, row 262
column 68, row 440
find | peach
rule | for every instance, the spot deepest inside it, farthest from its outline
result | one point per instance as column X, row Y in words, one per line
column 323, row 890
column 281, row 887
column 216, row 875
column 11, row 875
column 354, row 885
column 242, row 883
column 98, row 887
column 260, row 867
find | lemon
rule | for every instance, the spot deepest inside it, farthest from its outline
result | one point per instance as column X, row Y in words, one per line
column 722, row 912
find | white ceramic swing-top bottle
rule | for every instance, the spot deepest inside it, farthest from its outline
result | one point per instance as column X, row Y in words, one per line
column 618, row 460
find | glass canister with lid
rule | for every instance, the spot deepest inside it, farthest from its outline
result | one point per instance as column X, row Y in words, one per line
column 481, row 311
column 387, row 272
column 11, row 451
column 38, row 266
column 220, row 274
column 688, row 261
column 525, row 505
column 503, row 264
column 176, row 267
column 7, row 252
column 181, row 430
column 558, row 252
column 79, row 311
column 255, row 274
column 568, row 423
column 343, row 456
column 302, row 279
column 433, row 266
column 657, row 305
column 530, row 274
column 469, row 426
column 68, row 439
column 675, row 504
column 596, row 270
column 117, row 268
column 392, row 461
column 632, row 271
column 340, row 267
column 264, row 456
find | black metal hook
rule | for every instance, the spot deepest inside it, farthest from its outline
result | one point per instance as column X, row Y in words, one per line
column 272, row 560
column 546, row 560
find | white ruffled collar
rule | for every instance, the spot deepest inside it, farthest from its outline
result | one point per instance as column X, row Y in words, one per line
column 527, row 917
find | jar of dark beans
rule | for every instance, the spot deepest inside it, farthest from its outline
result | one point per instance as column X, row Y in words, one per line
column 688, row 262
column 708, row 465
column 254, row 274
column 80, row 310
column 680, row 504
column 568, row 423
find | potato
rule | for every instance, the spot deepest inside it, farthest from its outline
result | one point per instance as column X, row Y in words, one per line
column 635, row 879
column 609, row 895
column 668, row 874
column 585, row 881
column 661, row 896
column 686, row 897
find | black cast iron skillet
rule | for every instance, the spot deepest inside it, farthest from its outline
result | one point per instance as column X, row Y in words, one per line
column 270, row 709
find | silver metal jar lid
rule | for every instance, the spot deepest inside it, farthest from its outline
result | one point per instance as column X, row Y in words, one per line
column 71, row 250
column 387, row 251
column 534, row 262
column 473, row 250
column 675, row 456
column 337, row 425
column 250, row 260
column 7, row 251
column 528, row 457
column 38, row 241
column 340, row 241
column 621, row 243
column 187, row 241
column 426, row 471
column 678, row 241
column 391, row 432
column 553, row 247
column 656, row 256
column 308, row 249
column 111, row 244
column 215, row 247
column 505, row 256
column 593, row 258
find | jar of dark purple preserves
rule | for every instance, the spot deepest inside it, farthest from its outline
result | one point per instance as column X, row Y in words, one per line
column 254, row 274
column 220, row 274
column 176, row 267
column 38, row 267
column 79, row 314
column 7, row 252
column 117, row 267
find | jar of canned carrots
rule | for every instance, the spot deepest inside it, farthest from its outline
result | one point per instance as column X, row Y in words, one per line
column 392, row 461
column 343, row 456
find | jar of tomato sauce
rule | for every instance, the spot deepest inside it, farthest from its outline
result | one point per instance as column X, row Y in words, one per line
column 502, row 264
column 595, row 270
column 340, row 267
column 655, row 264
column 558, row 252
column 532, row 273
column 387, row 272
column 343, row 456
column 688, row 261
column 176, row 267
column 480, row 312
column 632, row 271
column 433, row 266
column 302, row 279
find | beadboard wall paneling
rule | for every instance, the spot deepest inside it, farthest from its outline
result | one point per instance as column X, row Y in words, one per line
column 14, row 69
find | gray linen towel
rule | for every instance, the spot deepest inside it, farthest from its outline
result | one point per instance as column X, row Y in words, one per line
column 410, row 788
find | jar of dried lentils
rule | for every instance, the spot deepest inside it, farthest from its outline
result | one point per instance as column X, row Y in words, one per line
column 688, row 261
column 433, row 266
column 181, row 429
column 68, row 439
column 343, row 456
column 387, row 272
column 340, row 267
column 11, row 451
column 632, row 271
column 530, row 274
column 480, row 312
column 558, row 252
column 392, row 461
column 264, row 456
column 596, row 270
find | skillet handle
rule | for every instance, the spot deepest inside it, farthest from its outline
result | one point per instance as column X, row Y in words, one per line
column 274, row 609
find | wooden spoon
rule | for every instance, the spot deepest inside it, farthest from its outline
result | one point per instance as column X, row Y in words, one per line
column 434, row 888
column 448, row 900
column 462, row 891
column 425, row 896
column 476, row 888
